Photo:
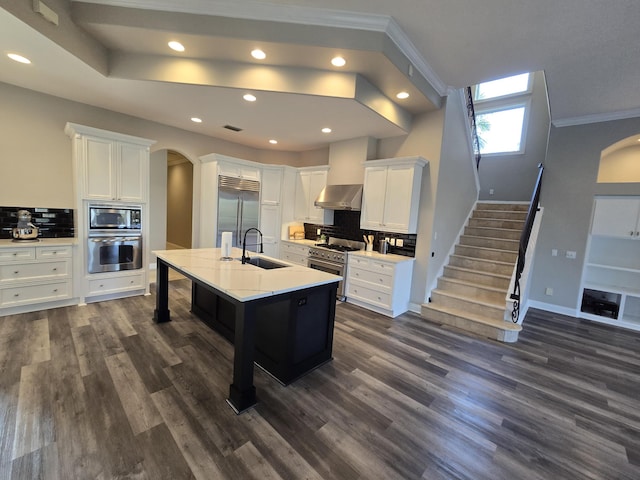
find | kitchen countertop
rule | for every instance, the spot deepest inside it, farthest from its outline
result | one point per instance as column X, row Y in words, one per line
column 389, row 257
column 305, row 242
column 44, row 242
column 243, row 282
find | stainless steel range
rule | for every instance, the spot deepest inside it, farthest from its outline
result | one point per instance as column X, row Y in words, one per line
column 332, row 257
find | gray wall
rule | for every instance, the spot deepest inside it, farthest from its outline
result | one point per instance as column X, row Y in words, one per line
column 179, row 203
column 157, row 203
column 457, row 186
column 512, row 177
column 568, row 188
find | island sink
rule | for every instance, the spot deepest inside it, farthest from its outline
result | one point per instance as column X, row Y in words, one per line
column 264, row 263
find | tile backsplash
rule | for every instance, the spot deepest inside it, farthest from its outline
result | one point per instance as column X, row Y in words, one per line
column 51, row 222
column 346, row 224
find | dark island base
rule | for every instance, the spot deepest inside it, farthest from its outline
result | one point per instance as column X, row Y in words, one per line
column 293, row 332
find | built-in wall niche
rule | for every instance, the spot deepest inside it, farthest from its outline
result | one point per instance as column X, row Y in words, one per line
column 620, row 162
column 601, row 303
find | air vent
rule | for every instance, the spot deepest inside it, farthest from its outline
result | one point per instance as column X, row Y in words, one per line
column 232, row 128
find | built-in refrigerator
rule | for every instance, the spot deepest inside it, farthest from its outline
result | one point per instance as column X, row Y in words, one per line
column 238, row 210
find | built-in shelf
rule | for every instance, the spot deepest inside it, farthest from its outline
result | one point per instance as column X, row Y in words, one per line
column 611, row 275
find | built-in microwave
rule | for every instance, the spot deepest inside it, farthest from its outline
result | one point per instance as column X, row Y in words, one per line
column 114, row 217
column 114, row 239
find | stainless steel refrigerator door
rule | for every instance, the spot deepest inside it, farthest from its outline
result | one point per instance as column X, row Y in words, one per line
column 229, row 203
column 250, row 215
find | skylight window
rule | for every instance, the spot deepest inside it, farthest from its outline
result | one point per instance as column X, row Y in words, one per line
column 501, row 108
column 503, row 87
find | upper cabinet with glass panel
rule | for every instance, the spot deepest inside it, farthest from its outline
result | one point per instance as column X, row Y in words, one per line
column 502, row 108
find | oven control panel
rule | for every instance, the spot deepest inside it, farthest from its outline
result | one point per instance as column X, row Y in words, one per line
column 332, row 256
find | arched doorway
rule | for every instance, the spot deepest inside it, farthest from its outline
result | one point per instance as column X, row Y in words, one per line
column 179, row 201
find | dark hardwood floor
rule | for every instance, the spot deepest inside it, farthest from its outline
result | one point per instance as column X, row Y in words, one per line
column 101, row 392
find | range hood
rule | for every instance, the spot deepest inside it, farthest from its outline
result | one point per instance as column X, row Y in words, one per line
column 340, row 197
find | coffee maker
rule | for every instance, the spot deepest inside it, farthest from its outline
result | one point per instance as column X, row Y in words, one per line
column 25, row 229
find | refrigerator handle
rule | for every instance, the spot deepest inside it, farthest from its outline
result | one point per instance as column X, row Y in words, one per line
column 237, row 242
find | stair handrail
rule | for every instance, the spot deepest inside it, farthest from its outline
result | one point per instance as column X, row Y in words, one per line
column 524, row 242
column 471, row 113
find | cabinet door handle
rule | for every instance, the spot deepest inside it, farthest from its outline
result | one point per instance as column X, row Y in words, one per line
column 16, row 272
column 55, row 269
column 631, row 233
column 16, row 294
column 55, row 290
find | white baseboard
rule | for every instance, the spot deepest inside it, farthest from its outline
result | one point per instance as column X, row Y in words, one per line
column 549, row 307
column 415, row 308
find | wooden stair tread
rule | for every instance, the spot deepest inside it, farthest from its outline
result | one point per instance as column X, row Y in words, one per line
column 499, row 324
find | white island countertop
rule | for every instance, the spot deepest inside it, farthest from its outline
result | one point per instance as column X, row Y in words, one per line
column 243, row 282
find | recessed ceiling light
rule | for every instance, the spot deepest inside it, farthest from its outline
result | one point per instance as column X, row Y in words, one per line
column 326, row 130
column 18, row 58
column 258, row 54
column 338, row 62
column 249, row 98
column 273, row 142
column 177, row 46
column 402, row 95
column 196, row 120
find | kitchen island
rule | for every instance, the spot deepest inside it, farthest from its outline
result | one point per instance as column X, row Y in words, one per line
column 282, row 317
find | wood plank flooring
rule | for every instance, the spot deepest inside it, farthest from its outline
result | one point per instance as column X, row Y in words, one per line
column 101, row 392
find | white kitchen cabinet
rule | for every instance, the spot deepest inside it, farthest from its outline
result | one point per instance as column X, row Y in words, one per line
column 237, row 168
column 294, row 252
column 110, row 166
column 271, row 187
column 391, row 194
column 309, row 183
column 611, row 276
column 381, row 283
column 617, row 217
column 270, row 228
column 34, row 278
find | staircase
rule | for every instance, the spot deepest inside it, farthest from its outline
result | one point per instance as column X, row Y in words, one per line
column 471, row 294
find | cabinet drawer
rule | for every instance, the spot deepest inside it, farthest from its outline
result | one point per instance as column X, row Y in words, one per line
column 295, row 258
column 115, row 284
column 295, row 249
column 17, row 254
column 34, row 271
column 35, row 293
column 369, row 295
column 378, row 279
column 54, row 252
column 371, row 264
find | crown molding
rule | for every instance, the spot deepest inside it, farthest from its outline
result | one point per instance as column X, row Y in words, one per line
column 255, row 10
column 596, row 118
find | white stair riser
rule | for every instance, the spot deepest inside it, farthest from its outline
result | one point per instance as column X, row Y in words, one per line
column 479, row 278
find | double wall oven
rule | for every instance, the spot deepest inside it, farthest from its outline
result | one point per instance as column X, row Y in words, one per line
column 332, row 257
column 114, row 240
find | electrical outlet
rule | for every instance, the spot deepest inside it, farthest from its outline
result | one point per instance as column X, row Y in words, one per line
column 386, row 239
column 392, row 242
column 318, row 230
column 554, row 252
column 571, row 255
column 491, row 191
column 399, row 242
column 548, row 291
